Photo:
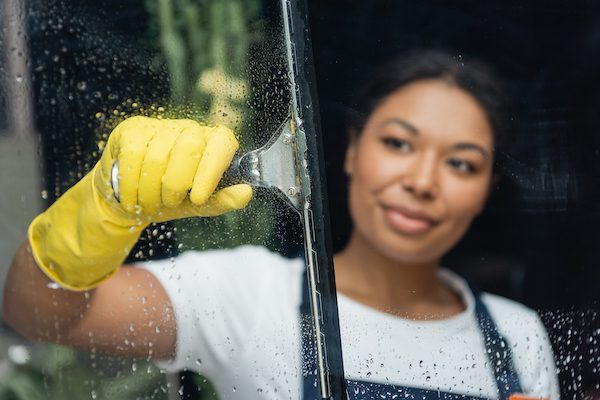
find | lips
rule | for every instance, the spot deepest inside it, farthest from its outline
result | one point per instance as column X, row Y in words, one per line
column 408, row 221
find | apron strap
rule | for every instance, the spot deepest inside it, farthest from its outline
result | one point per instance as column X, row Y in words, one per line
column 497, row 348
column 498, row 351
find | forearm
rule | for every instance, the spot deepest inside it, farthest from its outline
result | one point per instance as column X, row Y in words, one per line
column 36, row 306
column 128, row 315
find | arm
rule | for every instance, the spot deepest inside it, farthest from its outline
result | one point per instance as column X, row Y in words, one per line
column 169, row 169
column 128, row 315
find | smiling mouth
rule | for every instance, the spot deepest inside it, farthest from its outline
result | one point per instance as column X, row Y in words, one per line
column 408, row 222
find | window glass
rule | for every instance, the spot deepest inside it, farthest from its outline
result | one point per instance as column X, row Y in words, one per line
column 534, row 242
column 429, row 206
column 81, row 69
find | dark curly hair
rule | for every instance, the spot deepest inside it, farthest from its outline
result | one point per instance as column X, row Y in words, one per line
column 472, row 76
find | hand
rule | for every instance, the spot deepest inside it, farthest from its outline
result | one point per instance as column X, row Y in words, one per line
column 169, row 169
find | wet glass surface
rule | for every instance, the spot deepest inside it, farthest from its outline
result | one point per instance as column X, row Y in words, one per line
column 83, row 68
column 536, row 241
column 71, row 72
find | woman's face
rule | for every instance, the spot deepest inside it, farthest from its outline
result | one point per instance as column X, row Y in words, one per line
column 420, row 171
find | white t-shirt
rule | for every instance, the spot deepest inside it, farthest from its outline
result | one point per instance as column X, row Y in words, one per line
column 238, row 324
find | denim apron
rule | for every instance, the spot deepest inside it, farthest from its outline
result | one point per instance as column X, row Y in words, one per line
column 497, row 349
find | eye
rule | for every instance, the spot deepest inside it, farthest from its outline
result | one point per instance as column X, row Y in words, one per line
column 397, row 144
column 462, row 166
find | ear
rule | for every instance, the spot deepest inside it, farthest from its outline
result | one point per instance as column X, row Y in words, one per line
column 350, row 155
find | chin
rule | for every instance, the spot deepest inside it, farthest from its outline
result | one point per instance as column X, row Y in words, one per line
column 412, row 249
column 403, row 251
column 412, row 257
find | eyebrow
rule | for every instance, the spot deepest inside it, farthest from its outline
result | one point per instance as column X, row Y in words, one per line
column 410, row 128
column 472, row 146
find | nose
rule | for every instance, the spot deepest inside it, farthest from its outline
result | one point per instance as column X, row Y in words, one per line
column 421, row 178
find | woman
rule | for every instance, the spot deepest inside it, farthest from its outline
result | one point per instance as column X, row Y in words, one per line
column 420, row 164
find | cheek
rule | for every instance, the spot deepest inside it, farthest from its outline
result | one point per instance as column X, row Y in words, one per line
column 362, row 189
column 467, row 200
column 373, row 174
column 360, row 197
column 463, row 204
column 373, row 169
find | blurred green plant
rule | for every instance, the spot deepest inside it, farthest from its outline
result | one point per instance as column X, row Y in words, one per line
column 205, row 45
column 54, row 372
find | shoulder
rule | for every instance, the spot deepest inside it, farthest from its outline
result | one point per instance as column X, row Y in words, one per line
column 226, row 275
column 248, row 253
column 527, row 336
column 510, row 314
column 521, row 325
column 243, row 260
column 221, row 294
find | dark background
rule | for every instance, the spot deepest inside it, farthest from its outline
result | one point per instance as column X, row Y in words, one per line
column 538, row 241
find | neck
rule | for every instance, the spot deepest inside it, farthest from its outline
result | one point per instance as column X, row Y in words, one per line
column 404, row 288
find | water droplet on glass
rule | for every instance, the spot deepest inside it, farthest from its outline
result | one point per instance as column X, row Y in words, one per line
column 53, row 285
column 19, row 354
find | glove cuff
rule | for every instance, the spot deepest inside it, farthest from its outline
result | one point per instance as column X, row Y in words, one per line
column 80, row 241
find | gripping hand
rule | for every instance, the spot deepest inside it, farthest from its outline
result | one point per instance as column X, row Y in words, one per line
column 168, row 169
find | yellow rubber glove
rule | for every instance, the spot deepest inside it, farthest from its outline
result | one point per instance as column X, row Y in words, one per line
column 168, row 169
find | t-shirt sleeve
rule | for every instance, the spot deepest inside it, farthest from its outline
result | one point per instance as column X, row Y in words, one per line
column 532, row 351
column 216, row 298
